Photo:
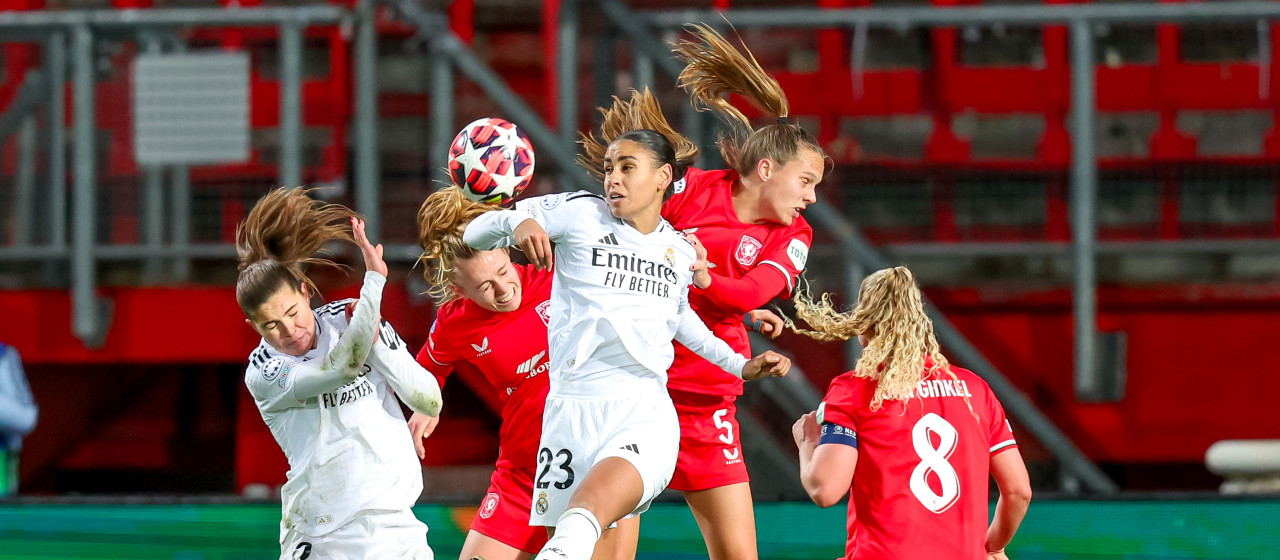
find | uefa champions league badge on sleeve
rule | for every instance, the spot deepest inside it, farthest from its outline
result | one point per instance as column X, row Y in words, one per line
column 272, row 369
column 542, row 504
column 277, row 370
column 549, row 202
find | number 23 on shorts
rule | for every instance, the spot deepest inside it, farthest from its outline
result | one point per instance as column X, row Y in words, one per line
column 547, row 460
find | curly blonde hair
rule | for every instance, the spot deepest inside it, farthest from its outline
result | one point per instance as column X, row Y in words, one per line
column 890, row 310
column 640, row 112
column 279, row 239
column 442, row 218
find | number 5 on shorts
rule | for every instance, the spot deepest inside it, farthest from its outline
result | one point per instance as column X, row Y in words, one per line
column 727, row 436
column 546, row 459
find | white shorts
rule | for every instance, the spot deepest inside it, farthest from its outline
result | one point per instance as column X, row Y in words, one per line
column 373, row 534
column 639, row 426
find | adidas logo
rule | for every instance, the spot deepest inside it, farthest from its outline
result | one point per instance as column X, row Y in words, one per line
column 609, row 239
column 632, row 448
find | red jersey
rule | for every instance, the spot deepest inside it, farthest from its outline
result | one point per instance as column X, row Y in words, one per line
column 509, row 350
column 751, row 265
column 921, row 482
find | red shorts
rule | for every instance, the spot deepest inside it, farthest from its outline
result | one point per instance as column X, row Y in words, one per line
column 504, row 512
column 710, row 453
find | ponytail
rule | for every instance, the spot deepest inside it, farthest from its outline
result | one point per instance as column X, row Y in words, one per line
column 442, row 218
column 279, row 239
column 640, row 112
column 891, row 309
column 714, row 69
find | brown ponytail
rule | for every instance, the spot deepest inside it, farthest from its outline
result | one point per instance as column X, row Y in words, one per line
column 714, row 69
column 640, row 112
column 280, row 238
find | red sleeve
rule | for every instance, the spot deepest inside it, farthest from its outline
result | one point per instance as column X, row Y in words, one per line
column 436, row 359
column 1001, row 433
column 674, row 204
column 838, row 405
column 787, row 258
column 739, row 295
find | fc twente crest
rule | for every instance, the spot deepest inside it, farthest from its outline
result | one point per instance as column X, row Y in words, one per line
column 748, row 250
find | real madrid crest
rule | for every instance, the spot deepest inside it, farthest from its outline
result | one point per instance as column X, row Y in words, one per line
column 542, row 505
column 670, row 257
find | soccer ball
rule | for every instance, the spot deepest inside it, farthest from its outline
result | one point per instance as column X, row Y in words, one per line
column 491, row 160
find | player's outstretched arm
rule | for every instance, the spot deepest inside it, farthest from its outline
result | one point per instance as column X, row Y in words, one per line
column 344, row 363
column 1015, row 497
column 504, row 228
column 826, row 471
column 415, row 386
column 769, row 363
column 695, row 335
column 493, row 230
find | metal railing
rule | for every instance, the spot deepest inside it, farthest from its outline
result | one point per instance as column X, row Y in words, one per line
column 71, row 39
column 1078, row 17
column 642, row 30
column 78, row 32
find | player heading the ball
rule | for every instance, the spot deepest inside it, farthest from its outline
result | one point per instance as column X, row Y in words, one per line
column 610, row 433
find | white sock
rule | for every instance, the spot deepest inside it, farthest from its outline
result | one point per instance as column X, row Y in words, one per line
column 577, row 531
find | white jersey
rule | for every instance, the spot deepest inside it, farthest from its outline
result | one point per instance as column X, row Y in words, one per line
column 349, row 448
column 619, row 297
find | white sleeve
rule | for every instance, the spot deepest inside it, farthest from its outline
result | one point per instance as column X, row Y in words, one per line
column 493, row 230
column 694, row 335
column 288, row 382
column 18, row 410
column 413, row 384
column 271, row 384
column 556, row 213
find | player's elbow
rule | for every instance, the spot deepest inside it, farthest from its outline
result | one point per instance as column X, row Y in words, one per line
column 824, row 493
column 1018, row 495
column 826, row 496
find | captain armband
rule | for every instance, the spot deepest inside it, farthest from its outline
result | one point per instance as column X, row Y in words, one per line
column 835, row 433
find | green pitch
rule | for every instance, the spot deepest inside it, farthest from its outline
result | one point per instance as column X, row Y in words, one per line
column 1131, row 530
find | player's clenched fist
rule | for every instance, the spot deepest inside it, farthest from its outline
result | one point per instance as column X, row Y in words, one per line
column 768, row 363
column 805, row 431
column 535, row 243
